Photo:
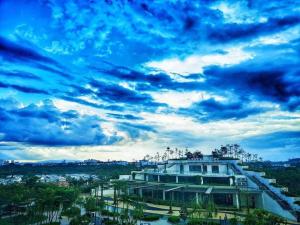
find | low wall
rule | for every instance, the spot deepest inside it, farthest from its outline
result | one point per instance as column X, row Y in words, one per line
column 271, row 205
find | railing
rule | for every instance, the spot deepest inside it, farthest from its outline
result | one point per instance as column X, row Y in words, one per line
column 236, row 170
column 284, row 204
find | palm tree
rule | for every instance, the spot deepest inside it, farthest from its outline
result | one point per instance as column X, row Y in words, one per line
column 255, row 157
column 249, row 155
column 196, row 211
column 171, row 153
column 236, row 149
column 177, row 153
column 138, row 211
column 167, row 153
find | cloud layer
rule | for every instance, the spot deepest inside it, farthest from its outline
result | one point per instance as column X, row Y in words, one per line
column 126, row 76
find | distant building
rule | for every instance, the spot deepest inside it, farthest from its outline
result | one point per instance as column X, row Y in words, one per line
column 120, row 163
column 143, row 163
column 62, row 181
column 91, row 162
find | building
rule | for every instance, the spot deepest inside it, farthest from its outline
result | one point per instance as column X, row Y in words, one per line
column 144, row 163
column 224, row 181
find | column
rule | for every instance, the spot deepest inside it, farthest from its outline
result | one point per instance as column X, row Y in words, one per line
column 164, row 195
column 231, row 181
column 158, row 178
column 197, row 197
column 237, row 200
column 141, row 192
column 176, row 179
column 147, row 177
column 201, row 180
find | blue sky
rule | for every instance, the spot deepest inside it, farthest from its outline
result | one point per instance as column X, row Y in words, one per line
column 122, row 79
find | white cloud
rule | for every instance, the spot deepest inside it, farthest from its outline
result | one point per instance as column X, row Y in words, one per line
column 196, row 63
column 181, row 99
column 282, row 37
column 238, row 12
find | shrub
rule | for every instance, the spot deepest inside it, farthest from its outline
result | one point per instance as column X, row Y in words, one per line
column 174, row 219
column 150, row 217
column 106, row 212
column 288, row 194
column 276, row 185
column 71, row 212
column 201, row 221
column 233, row 221
column 297, row 202
column 111, row 222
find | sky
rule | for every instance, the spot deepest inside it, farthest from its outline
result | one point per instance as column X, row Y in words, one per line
column 84, row 79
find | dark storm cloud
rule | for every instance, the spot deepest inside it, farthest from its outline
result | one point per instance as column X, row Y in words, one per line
column 279, row 139
column 91, row 104
column 16, row 52
column 12, row 51
column 124, row 73
column 116, row 93
column 231, row 32
column 271, row 82
column 23, row 89
column 212, row 110
column 19, row 74
column 46, row 125
column 148, row 81
column 136, row 131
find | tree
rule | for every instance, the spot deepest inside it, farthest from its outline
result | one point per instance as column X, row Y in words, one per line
column 196, row 210
column 262, row 217
column 71, row 212
column 197, row 155
column 138, row 211
column 188, row 155
column 90, row 205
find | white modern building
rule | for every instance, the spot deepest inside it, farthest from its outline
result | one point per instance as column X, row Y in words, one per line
column 224, row 181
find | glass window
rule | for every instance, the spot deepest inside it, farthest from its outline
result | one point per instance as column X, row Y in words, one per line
column 204, row 169
column 181, row 169
column 215, row 169
column 195, row 168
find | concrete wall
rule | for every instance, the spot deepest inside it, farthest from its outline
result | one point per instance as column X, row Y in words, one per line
column 176, row 168
column 139, row 176
column 271, row 205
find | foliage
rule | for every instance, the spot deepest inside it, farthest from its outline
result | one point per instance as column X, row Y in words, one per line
column 284, row 176
column 288, row 194
column 297, row 202
column 90, row 204
column 233, row 221
column 80, row 220
column 71, row 212
column 111, row 222
column 138, row 211
column 150, row 217
column 33, row 199
column 261, row 217
column 196, row 210
column 202, row 222
column 21, row 220
column 174, row 219
column 103, row 171
column 106, row 212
